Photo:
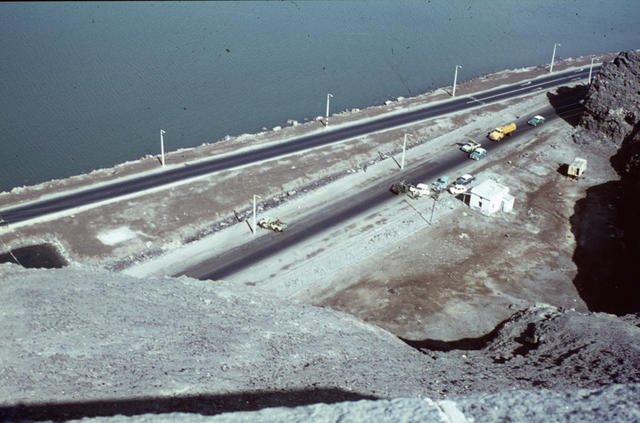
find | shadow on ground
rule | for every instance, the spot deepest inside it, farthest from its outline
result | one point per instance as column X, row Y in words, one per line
column 605, row 225
column 570, row 113
column 465, row 344
column 200, row 404
column 35, row 256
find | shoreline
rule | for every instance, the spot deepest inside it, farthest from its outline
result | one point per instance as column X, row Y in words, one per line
column 231, row 144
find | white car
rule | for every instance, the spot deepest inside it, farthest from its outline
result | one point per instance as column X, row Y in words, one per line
column 457, row 189
column 419, row 190
column 470, row 147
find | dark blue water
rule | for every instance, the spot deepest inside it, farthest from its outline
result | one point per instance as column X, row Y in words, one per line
column 89, row 85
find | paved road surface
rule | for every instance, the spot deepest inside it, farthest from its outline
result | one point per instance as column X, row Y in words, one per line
column 270, row 243
column 118, row 189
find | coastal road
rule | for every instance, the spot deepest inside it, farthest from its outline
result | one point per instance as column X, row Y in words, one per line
column 68, row 201
column 361, row 203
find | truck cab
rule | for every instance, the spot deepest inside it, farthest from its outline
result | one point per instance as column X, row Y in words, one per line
column 501, row 131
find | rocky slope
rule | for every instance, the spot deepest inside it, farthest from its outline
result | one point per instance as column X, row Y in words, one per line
column 606, row 223
column 83, row 342
column 612, row 106
column 613, row 403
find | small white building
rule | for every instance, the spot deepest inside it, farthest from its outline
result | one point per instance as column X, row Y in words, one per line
column 490, row 197
column 577, row 167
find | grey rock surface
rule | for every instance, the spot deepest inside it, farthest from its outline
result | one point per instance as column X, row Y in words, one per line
column 612, row 106
column 542, row 347
column 613, row 403
column 607, row 231
column 79, row 335
column 81, row 342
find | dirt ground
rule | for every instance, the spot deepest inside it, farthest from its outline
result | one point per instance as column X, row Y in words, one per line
column 453, row 279
column 462, row 276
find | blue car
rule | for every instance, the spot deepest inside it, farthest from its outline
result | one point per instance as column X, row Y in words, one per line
column 465, row 179
column 478, row 154
column 536, row 120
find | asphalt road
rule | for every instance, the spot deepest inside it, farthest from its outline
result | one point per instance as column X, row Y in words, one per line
column 269, row 243
column 118, row 189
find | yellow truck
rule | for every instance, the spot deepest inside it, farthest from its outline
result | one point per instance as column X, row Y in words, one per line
column 499, row 133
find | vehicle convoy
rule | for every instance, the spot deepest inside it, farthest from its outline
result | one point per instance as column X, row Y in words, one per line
column 501, row 131
column 536, row 120
column 478, row 153
column 470, row 146
column 460, row 184
column 413, row 191
column 272, row 223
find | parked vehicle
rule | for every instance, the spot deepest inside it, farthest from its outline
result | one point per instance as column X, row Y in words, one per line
column 457, row 189
column 501, row 131
column 272, row 223
column 400, row 187
column 478, row 153
column 441, row 184
column 536, row 120
column 470, row 146
column 465, row 179
column 418, row 191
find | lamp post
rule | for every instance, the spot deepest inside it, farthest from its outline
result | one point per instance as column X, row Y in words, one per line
column 162, row 132
column 253, row 227
column 455, row 79
column 591, row 68
column 404, row 148
column 329, row 95
column 553, row 56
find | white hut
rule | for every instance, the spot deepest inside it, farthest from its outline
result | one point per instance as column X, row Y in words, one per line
column 490, row 197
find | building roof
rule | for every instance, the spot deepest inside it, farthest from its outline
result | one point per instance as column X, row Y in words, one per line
column 577, row 162
column 490, row 190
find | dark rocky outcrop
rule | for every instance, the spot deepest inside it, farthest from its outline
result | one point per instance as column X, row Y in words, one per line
column 605, row 223
column 612, row 106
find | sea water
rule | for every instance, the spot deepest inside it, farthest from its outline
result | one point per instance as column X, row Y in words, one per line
column 86, row 85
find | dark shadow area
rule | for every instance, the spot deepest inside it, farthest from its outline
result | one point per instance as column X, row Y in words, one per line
column 563, row 169
column 605, row 225
column 465, row 344
column 565, row 100
column 199, row 404
column 35, row 256
column 527, row 340
column 599, row 254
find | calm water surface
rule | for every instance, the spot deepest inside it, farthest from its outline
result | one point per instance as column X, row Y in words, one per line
column 87, row 85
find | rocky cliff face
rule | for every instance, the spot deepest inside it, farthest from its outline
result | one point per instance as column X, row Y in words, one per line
column 612, row 106
column 612, row 116
column 612, row 112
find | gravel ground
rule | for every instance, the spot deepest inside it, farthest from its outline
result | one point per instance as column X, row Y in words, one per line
column 83, row 342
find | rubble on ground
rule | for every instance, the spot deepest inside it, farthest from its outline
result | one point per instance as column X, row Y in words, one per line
column 76, row 336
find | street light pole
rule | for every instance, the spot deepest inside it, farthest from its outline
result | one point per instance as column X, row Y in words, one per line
column 329, row 95
column 162, row 132
column 590, row 69
column 455, row 79
column 404, row 148
column 253, row 227
column 553, row 56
